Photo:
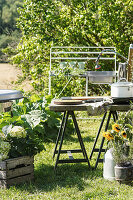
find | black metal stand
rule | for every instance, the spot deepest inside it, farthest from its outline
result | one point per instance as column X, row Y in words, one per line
column 60, row 137
column 100, row 149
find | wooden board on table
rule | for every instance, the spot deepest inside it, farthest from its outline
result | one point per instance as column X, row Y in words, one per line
column 67, row 102
column 87, row 99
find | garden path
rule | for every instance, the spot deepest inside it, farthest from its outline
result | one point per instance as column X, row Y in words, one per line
column 9, row 74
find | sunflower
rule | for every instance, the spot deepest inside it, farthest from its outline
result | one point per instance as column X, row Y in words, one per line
column 116, row 127
column 123, row 133
column 108, row 135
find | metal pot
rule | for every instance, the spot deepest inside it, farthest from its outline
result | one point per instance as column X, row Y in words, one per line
column 122, row 89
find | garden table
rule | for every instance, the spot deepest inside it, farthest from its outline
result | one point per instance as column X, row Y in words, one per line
column 111, row 109
column 69, row 110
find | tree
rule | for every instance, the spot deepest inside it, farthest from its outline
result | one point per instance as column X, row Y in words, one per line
column 70, row 22
column 9, row 33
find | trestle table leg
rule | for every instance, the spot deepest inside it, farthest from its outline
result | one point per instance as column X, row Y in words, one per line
column 79, row 137
column 101, row 125
column 62, row 137
column 59, row 134
column 101, row 146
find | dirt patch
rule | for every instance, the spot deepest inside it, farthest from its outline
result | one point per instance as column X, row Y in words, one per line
column 9, row 74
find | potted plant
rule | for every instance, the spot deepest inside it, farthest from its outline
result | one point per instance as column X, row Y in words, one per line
column 120, row 139
column 22, row 136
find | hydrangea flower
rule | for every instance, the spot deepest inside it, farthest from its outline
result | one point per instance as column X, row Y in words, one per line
column 2, row 135
column 18, row 131
column 4, row 150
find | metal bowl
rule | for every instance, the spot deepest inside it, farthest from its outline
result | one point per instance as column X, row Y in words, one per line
column 101, row 77
column 7, row 95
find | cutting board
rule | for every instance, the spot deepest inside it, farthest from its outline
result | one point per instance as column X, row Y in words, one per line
column 86, row 99
column 67, row 102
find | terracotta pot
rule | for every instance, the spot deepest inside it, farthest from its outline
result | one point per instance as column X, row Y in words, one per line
column 124, row 174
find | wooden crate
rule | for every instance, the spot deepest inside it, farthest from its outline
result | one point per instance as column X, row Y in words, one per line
column 16, row 170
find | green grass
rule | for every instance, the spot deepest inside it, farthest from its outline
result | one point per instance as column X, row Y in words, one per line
column 70, row 181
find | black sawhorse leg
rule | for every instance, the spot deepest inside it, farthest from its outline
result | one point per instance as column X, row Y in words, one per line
column 101, row 125
column 59, row 134
column 61, row 137
column 100, row 149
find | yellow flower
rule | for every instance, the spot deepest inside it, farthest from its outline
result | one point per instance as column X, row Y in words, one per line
column 116, row 127
column 108, row 135
column 104, row 134
column 123, row 133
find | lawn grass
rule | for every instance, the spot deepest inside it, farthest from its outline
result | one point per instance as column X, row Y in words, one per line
column 70, row 181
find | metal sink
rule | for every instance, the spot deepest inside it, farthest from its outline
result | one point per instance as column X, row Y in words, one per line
column 101, row 77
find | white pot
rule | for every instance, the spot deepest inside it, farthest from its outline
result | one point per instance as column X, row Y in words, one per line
column 122, row 89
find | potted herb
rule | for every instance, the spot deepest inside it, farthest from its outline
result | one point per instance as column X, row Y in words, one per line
column 120, row 138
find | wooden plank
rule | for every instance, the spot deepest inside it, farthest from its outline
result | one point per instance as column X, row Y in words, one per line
column 20, row 179
column 130, row 63
column 12, row 163
column 3, row 175
column 62, row 108
column 2, row 165
column 20, row 171
column 25, row 160
column 67, row 102
column 121, row 108
column 85, row 98
column 6, row 174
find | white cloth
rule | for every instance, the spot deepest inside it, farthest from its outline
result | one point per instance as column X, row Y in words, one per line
column 98, row 108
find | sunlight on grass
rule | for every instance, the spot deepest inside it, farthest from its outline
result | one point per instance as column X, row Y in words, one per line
column 70, row 181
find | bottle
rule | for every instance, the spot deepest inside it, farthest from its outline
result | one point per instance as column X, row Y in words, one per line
column 108, row 166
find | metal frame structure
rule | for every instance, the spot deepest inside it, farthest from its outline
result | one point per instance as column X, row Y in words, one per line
column 83, row 53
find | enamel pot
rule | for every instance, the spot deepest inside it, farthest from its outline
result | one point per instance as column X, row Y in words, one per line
column 122, row 89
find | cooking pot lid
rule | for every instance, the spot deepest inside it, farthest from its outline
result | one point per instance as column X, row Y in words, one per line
column 122, row 84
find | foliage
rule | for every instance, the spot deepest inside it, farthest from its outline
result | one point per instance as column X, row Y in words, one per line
column 9, row 33
column 30, row 126
column 8, row 15
column 69, row 23
column 120, row 139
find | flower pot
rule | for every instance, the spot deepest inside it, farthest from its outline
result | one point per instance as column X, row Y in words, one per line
column 124, row 174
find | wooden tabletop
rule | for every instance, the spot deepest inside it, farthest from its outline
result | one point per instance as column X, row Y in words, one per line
column 83, row 107
column 62, row 108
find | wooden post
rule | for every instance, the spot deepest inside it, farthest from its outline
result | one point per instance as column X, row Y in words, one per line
column 130, row 63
